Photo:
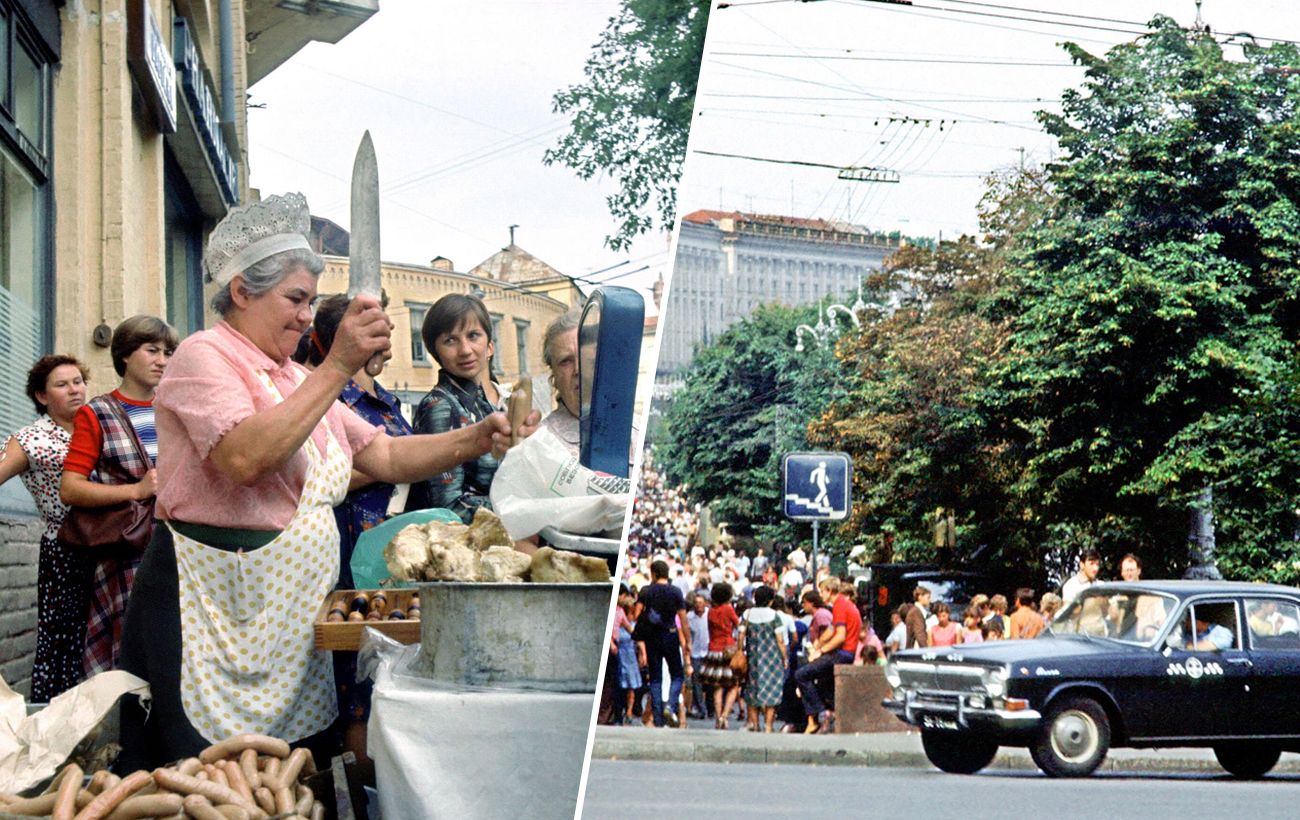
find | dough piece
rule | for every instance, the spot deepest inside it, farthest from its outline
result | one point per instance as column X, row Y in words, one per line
column 447, row 533
column 451, row 562
column 503, row 564
column 551, row 566
column 407, row 554
column 487, row 530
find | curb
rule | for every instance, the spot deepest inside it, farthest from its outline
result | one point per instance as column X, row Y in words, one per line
column 892, row 750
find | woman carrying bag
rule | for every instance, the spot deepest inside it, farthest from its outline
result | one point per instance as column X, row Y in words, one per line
column 109, row 480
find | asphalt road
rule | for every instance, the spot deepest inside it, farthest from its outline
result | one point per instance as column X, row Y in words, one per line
column 623, row 789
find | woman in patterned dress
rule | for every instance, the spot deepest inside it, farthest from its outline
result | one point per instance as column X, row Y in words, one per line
column 57, row 387
column 256, row 453
column 105, row 466
column 761, row 635
column 457, row 332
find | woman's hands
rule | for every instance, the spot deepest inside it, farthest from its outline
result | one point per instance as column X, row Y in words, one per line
column 493, row 432
column 364, row 331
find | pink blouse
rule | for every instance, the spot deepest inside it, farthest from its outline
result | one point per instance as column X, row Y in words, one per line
column 209, row 387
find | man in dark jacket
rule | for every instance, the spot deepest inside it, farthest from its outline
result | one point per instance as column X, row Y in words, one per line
column 917, row 632
column 663, row 606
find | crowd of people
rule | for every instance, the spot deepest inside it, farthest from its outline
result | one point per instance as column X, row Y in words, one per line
column 174, row 503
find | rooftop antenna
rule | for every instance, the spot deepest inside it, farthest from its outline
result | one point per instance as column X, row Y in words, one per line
column 512, row 234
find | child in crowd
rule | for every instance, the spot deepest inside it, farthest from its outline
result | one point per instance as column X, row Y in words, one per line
column 970, row 629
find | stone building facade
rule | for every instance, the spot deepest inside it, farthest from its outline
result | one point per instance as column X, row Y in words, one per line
column 729, row 263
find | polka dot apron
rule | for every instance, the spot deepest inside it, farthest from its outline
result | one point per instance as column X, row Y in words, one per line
column 248, row 662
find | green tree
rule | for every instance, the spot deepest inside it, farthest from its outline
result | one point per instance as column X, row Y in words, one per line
column 631, row 117
column 1156, row 309
column 747, row 401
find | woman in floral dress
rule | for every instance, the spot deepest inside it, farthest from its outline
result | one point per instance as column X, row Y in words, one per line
column 57, row 387
column 760, row 631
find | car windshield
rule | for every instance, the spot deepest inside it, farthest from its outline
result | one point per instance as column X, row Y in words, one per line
column 1130, row 617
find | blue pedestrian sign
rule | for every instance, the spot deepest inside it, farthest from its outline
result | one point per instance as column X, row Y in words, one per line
column 816, row 486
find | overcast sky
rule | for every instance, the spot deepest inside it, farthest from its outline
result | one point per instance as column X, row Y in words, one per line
column 457, row 97
column 943, row 92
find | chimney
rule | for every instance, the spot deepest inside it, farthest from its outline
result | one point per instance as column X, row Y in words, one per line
column 441, row 263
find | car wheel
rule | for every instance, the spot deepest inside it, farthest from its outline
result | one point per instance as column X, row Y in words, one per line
column 1073, row 740
column 1247, row 760
column 957, row 753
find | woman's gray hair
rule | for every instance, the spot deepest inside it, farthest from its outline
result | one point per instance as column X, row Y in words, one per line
column 562, row 324
column 262, row 276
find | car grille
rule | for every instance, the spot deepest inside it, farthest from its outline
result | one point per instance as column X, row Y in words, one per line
column 935, row 678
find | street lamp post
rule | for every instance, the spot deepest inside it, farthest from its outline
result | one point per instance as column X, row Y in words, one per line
column 825, row 332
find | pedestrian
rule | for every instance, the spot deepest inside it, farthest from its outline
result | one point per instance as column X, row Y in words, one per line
column 662, row 605
column 56, row 386
column 971, row 632
column 1130, row 568
column 998, row 614
column 1089, row 567
column 1025, row 621
column 945, row 632
column 721, row 647
column 762, row 637
column 628, row 653
column 917, row 630
column 1048, row 606
column 897, row 637
column 834, row 646
column 698, row 621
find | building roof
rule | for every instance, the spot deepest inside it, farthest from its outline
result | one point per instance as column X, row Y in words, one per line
column 514, row 264
column 709, row 217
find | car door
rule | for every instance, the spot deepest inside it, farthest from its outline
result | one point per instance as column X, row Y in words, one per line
column 1207, row 692
column 1273, row 635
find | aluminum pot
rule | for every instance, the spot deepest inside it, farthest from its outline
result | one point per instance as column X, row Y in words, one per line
column 531, row 636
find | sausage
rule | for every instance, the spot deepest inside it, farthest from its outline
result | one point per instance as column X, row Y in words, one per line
column 103, row 805
column 248, row 765
column 284, row 800
column 189, row 766
column 65, row 798
column 233, row 746
column 230, row 812
column 265, row 799
column 197, row 807
column 518, row 406
column 318, row 811
column 305, row 799
column 214, row 792
column 98, row 781
column 151, row 805
column 238, row 782
column 288, row 777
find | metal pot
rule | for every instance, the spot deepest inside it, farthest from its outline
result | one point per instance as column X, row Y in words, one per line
column 533, row 636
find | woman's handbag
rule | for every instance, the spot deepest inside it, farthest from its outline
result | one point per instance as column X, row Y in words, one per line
column 739, row 663
column 128, row 523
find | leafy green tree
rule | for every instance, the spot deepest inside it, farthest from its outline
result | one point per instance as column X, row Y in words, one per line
column 747, row 401
column 1156, row 309
column 631, row 117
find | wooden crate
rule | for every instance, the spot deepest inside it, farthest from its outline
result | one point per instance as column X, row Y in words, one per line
column 346, row 635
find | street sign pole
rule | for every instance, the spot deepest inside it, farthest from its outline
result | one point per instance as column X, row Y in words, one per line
column 814, row 552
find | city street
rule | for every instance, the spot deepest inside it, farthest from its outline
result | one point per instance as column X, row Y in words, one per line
column 644, row 788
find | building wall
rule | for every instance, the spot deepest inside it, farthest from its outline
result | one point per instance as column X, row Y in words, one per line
column 723, row 271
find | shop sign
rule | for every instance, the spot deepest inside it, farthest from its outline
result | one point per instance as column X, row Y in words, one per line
column 202, row 102
column 151, row 64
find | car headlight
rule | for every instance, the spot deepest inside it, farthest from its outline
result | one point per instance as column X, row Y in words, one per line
column 891, row 675
column 995, row 682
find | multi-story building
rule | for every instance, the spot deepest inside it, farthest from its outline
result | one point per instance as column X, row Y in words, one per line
column 729, row 263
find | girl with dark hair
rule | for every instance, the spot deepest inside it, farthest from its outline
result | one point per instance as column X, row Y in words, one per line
column 57, row 387
column 111, row 459
column 457, row 332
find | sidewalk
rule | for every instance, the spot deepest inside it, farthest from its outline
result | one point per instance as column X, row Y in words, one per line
column 889, row 749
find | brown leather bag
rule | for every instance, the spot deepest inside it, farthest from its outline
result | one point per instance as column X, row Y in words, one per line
column 126, row 523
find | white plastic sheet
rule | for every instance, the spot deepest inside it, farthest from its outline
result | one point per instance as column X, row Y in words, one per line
column 442, row 752
column 539, row 484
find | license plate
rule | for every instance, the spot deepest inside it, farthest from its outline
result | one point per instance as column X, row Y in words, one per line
column 932, row 722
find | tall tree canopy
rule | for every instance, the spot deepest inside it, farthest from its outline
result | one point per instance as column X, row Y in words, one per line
column 1156, row 309
column 746, row 402
column 631, row 117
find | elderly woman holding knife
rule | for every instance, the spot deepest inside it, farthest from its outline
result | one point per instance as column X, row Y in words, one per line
column 254, row 453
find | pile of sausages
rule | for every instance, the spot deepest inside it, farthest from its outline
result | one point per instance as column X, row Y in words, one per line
column 246, row 777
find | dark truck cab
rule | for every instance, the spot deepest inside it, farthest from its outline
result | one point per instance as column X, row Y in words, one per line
column 883, row 587
column 1159, row 664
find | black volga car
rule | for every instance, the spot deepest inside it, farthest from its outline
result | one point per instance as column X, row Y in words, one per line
column 1171, row 663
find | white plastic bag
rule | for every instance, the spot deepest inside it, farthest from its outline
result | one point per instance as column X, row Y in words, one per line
column 539, row 484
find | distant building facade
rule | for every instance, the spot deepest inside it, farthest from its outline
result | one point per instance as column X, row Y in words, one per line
column 729, row 263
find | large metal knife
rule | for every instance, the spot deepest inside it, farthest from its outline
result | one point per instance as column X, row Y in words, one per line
column 363, row 242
